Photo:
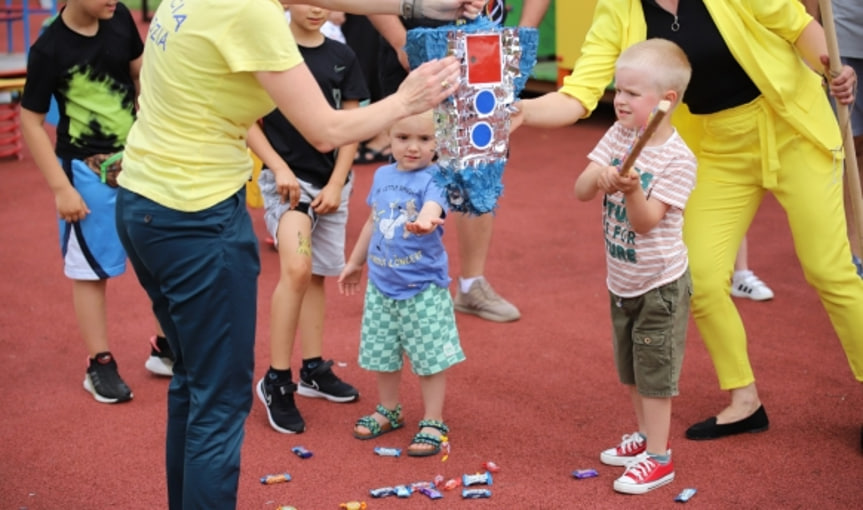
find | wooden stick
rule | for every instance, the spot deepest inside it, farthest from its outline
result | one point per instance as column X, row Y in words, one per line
column 655, row 118
column 852, row 177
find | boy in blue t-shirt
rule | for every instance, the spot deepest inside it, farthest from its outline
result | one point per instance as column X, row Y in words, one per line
column 408, row 308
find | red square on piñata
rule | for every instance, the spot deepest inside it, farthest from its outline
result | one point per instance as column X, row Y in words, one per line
column 483, row 53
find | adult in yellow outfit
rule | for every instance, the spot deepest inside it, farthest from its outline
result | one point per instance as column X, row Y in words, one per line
column 758, row 121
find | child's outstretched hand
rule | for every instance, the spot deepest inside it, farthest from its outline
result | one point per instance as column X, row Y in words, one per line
column 349, row 280
column 423, row 226
column 70, row 206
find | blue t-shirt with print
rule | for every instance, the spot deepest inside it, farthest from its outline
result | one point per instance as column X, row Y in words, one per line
column 402, row 264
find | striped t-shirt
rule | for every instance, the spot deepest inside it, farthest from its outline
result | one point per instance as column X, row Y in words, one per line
column 638, row 263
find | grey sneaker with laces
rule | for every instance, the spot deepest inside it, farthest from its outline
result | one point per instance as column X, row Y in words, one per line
column 481, row 300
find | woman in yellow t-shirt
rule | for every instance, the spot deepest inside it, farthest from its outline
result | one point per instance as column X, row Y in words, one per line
column 210, row 69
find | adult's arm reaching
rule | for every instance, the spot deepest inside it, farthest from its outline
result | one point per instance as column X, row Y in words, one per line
column 532, row 12
column 435, row 9
column 301, row 101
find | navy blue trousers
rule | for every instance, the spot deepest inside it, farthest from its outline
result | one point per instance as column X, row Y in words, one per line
column 200, row 270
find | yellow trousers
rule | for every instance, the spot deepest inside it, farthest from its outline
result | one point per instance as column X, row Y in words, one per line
column 746, row 152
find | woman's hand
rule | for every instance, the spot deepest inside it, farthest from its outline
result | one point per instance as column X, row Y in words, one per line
column 445, row 9
column 844, row 85
column 429, row 84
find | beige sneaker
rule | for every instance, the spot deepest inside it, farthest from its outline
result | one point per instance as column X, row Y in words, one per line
column 481, row 300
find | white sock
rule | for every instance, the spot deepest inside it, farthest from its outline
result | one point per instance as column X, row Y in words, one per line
column 465, row 283
column 741, row 274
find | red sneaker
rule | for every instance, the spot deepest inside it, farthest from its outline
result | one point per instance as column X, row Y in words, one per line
column 644, row 474
column 622, row 454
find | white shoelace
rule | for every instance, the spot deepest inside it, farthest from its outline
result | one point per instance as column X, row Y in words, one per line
column 630, row 442
column 640, row 467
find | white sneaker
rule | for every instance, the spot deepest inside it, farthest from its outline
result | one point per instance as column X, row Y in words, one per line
column 744, row 284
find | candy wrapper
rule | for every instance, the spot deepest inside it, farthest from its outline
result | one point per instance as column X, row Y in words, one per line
column 272, row 479
column 388, row 452
column 472, row 126
column 475, row 493
column 477, row 479
column 382, row 492
column 685, row 495
column 490, row 466
column 584, row 473
column 301, row 452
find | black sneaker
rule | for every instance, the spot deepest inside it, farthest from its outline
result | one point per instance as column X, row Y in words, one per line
column 161, row 360
column 321, row 382
column 281, row 410
column 104, row 381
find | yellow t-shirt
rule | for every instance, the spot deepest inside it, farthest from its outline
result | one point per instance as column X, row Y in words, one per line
column 187, row 150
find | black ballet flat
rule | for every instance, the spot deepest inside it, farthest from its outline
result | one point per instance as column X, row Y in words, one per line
column 708, row 429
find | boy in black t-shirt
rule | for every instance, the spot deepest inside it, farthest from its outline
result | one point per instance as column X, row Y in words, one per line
column 88, row 59
column 306, row 207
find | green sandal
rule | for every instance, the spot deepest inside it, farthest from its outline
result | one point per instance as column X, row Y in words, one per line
column 426, row 438
column 394, row 421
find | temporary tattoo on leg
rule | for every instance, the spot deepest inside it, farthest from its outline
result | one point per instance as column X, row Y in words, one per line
column 304, row 245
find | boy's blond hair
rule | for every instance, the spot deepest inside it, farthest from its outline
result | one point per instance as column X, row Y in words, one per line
column 427, row 116
column 662, row 59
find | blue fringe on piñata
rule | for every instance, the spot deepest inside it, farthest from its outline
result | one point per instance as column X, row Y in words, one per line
column 474, row 185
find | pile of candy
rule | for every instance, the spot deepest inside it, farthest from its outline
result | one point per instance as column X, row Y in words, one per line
column 432, row 489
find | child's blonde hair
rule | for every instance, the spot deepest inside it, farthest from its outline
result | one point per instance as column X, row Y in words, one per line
column 426, row 116
column 662, row 59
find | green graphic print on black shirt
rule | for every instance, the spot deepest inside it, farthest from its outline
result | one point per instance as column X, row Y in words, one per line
column 90, row 79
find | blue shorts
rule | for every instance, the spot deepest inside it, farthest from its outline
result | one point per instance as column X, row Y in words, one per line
column 421, row 327
column 91, row 248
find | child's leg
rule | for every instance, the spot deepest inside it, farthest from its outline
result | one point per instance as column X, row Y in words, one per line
column 88, row 297
column 295, row 268
column 656, row 413
column 638, row 408
column 433, row 388
column 388, row 396
column 311, row 318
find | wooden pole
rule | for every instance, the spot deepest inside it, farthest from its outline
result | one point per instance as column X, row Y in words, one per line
column 852, row 176
column 661, row 109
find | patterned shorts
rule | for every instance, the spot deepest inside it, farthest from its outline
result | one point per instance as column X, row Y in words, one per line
column 422, row 327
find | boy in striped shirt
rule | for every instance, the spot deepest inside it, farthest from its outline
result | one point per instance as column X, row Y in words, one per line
column 648, row 272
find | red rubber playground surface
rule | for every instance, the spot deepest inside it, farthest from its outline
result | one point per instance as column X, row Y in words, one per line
column 539, row 397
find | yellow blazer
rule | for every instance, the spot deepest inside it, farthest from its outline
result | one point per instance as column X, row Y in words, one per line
column 760, row 35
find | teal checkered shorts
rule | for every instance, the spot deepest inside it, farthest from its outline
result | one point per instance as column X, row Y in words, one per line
column 422, row 327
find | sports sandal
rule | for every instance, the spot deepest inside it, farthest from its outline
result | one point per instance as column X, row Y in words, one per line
column 431, row 439
column 394, row 421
